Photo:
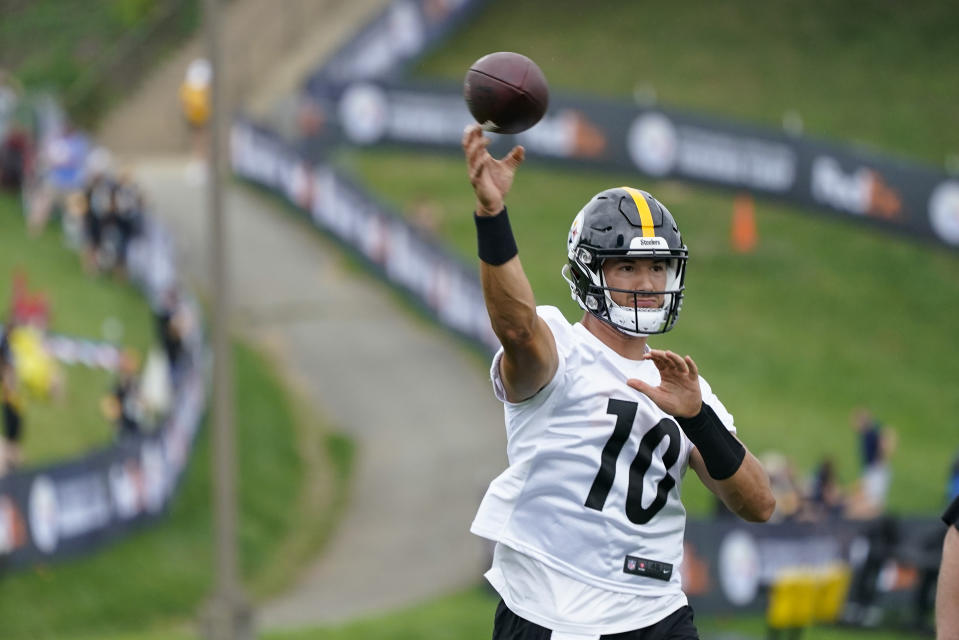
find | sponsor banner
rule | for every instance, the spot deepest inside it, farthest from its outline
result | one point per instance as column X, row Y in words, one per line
column 405, row 256
column 660, row 143
column 70, row 508
column 730, row 565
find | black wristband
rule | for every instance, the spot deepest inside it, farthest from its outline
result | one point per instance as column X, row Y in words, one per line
column 721, row 451
column 494, row 238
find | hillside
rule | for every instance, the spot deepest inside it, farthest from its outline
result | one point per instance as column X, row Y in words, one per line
column 825, row 316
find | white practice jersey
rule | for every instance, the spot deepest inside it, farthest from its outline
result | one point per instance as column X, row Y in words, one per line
column 595, row 469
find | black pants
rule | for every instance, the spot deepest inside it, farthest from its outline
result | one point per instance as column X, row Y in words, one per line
column 676, row 626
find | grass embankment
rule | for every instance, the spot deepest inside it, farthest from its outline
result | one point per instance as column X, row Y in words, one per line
column 159, row 577
column 825, row 315
column 292, row 471
column 90, row 53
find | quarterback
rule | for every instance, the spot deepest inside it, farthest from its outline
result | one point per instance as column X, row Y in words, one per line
column 587, row 518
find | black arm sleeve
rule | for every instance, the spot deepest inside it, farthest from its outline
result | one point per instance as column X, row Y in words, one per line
column 721, row 451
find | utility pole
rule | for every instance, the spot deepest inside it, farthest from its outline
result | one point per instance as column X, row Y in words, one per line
column 228, row 617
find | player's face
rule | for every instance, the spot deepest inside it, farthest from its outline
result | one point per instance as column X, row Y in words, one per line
column 636, row 274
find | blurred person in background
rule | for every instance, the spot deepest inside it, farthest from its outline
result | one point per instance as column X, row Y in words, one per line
column 877, row 443
column 62, row 161
column 37, row 370
column 826, row 499
column 11, row 404
column 196, row 107
column 947, row 589
column 122, row 406
column 14, row 138
column 782, row 482
column 75, row 213
column 173, row 322
column 128, row 219
column 582, row 550
column 862, row 608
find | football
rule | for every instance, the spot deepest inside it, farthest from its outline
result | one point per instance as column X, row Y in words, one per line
column 506, row 92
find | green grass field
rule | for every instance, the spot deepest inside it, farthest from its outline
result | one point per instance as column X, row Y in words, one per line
column 825, row 315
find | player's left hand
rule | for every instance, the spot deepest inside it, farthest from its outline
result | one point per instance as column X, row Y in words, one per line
column 678, row 393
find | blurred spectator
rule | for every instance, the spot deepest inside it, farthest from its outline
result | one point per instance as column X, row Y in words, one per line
column 62, row 159
column 881, row 538
column 127, row 220
column 195, row 103
column 156, row 392
column 123, row 406
column 877, row 442
column 74, row 220
column 947, row 591
column 37, row 372
column 174, row 323
column 825, row 499
column 11, row 404
column 14, row 140
column 99, row 192
column 782, row 481
column 26, row 307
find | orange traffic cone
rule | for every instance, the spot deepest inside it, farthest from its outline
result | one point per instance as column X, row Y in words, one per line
column 743, row 236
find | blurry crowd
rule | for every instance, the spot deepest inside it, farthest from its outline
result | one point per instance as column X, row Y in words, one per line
column 102, row 214
column 821, row 495
column 885, row 539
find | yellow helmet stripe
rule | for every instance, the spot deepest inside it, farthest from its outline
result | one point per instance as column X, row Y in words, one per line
column 645, row 217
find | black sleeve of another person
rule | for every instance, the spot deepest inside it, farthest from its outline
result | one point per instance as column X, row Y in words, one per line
column 951, row 515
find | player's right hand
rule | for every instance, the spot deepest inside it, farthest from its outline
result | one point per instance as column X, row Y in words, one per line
column 491, row 178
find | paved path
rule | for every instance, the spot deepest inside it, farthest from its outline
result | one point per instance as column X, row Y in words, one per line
column 418, row 404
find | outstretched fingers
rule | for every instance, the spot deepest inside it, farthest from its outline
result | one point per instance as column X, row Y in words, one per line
column 515, row 157
column 672, row 364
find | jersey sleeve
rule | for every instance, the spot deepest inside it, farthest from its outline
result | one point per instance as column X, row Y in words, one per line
column 561, row 330
column 717, row 406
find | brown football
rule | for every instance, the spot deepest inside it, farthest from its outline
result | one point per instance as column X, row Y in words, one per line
column 506, row 92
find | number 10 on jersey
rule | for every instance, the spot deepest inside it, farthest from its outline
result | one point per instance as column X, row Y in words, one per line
column 625, row 412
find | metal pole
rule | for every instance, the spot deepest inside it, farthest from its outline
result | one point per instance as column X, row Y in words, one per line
column 229, row 615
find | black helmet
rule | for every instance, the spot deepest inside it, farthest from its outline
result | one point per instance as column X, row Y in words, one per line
column 625, row 223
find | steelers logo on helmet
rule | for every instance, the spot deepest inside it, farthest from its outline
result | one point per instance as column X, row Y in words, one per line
column 625, row 223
